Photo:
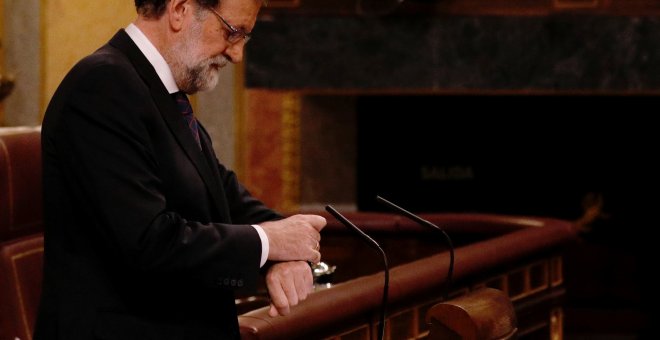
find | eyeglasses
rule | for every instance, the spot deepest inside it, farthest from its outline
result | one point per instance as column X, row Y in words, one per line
column 234, row 35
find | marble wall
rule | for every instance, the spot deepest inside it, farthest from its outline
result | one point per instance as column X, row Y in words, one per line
column 335, row 61
column 545, row 53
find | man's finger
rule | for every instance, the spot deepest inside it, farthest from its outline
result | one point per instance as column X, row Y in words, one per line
column 301, row 286
column 278, row 296
column 318, row 222
column 315, row 257
column 289, row 288
column 272, row 312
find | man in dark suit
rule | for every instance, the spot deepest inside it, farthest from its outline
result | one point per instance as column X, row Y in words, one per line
column 147, row 234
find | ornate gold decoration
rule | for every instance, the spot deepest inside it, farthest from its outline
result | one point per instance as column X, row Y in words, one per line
column 291, row 104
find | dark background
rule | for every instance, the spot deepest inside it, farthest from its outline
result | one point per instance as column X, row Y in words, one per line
column 529, row 155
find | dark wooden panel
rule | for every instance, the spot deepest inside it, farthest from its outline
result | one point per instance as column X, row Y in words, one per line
column 462, row 7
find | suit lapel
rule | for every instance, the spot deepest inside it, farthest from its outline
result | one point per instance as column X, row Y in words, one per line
column 211, row 161
column 172, row 117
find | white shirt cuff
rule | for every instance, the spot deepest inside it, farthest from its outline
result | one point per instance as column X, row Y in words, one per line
column 265, row 248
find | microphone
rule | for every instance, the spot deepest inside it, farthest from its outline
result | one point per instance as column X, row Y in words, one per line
column 373, row 244
column 426, row 223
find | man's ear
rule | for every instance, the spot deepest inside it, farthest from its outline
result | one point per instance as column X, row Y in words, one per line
column 177, row 10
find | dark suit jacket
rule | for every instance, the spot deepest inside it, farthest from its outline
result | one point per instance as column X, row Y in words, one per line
column 146, row 236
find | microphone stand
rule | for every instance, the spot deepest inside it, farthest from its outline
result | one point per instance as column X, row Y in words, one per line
column 450, row 271
column 373, row 244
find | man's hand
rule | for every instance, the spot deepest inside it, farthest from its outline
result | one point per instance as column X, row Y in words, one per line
column 295, row 238
column 288, row 283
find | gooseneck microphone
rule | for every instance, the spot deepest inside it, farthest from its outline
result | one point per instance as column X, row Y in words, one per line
column 450, row 271
column 373, row 244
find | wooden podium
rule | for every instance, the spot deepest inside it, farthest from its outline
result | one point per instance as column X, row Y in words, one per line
column 484, row 314
column 520, row 257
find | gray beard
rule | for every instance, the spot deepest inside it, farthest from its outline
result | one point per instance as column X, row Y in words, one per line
column 194, row 77
column 190, row 75
column 204, row 76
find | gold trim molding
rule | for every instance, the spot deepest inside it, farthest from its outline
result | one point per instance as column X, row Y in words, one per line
column 291, row 103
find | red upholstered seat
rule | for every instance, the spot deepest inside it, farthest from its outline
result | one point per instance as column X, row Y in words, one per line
column 21, row 262
column 20, row 182
column 21, row 227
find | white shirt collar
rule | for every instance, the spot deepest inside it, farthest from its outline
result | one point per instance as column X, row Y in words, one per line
column 155, row 58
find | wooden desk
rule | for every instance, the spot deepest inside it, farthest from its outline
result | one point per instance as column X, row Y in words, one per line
column 522, row 257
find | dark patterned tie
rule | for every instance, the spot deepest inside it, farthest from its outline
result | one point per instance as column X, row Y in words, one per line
column 183, row 104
